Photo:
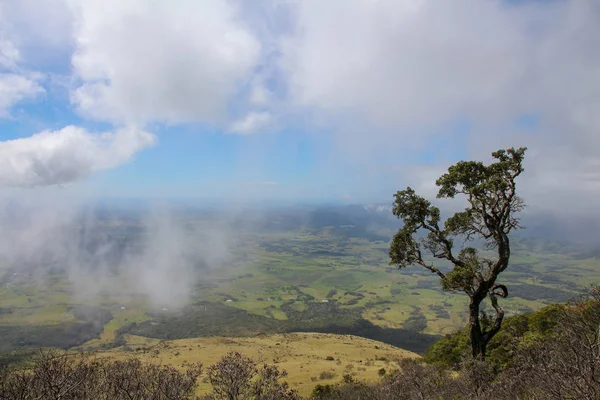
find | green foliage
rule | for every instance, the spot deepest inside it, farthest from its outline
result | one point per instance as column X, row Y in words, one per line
column 490, row 191
column 543, row 321
column 449, row 351
column 517, row 331
column 491, row 194
column 322, row 391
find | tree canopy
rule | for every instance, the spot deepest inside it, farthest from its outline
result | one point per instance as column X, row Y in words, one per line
column 490, row 216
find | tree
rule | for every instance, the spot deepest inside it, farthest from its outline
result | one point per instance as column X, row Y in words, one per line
column 231, row 377
column 491, row 193
column 237, row 377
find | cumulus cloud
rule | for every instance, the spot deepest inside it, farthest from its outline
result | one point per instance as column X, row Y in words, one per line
column 178, row 61
column 251, row 123
column 67, row 155
column 407, row 62
column 15, row 85
column 387, row 79
column 15, row 88
column 392, row 75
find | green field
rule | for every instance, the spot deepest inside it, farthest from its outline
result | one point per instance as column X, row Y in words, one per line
column 331, row 280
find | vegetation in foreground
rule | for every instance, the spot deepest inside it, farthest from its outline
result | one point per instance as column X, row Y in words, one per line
column 309, row 358
column 556, row 357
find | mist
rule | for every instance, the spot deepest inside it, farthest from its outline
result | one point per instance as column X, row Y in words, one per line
column 148, row 252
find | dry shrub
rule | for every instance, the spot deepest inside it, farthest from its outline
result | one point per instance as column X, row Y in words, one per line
column 565, row 364
column 59, row 375
column 326, row 375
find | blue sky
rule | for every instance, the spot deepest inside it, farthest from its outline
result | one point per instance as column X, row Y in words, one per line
column 336, row 101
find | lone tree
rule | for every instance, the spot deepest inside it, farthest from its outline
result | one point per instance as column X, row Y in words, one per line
column 491, row 193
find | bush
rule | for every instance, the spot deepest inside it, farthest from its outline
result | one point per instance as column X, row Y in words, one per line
column 60, row 375
column 326, row 375
column 453, row 349
column 230, row 377
column 57, row 375
column 238, row 377
column 323, row 391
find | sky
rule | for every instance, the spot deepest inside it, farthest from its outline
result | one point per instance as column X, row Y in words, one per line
column 338, row 100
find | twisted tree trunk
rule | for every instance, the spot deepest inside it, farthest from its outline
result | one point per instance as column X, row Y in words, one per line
column 479, row 337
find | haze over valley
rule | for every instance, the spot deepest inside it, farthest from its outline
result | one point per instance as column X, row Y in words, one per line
column 179, row 271
column 288, row 199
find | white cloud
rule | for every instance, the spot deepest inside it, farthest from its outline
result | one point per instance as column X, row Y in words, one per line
column 35, row 29
column 259, row 95
column 142, row 61
column 391, row 75
column 385, row 77
column 70, row 154
column 9, row 54
column 16, row 85
column 408, row 62
column 15, row 88
column 251, row 123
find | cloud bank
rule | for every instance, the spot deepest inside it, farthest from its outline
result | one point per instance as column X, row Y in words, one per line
column 392, row 77
column 383, row 80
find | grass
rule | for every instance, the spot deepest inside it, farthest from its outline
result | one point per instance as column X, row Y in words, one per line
column 289, row 274
column 302, row 355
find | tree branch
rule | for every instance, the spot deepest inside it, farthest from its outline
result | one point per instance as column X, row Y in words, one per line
column 493, row 293
column 431, row 268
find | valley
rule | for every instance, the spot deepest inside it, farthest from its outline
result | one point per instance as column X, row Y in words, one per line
column 313, row 271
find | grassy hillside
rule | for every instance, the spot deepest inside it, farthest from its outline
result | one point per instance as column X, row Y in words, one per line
column 550, row 354
column 324, row 278
column 309, row 358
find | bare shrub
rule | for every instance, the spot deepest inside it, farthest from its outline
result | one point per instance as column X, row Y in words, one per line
column 133, row 379
column 54, row 376
column 565, row 364
column 231, row 377
column 269, row 387
column 415, row 380
column 60, row 375
column 237, row 377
